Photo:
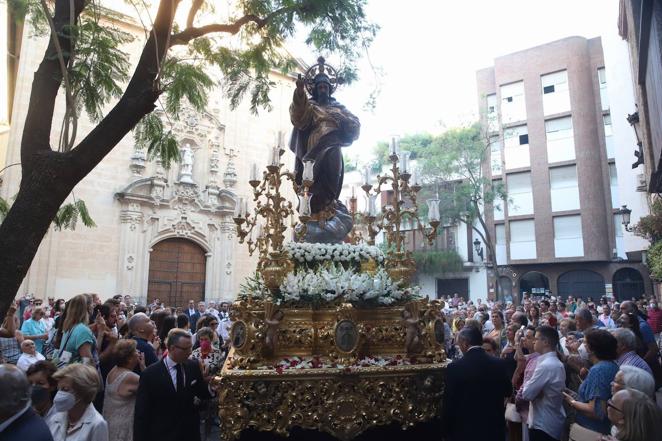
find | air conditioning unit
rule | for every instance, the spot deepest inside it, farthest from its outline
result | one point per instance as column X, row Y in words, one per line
column 642, row 185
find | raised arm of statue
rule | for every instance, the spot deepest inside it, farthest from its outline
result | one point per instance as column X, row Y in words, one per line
column 300, row 111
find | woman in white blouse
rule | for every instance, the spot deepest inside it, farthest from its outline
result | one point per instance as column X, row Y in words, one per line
column 76, row 418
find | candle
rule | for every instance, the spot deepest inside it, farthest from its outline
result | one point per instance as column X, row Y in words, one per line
column 372, row 205
column 304, row 204
column 245, row 209
column 275, row 156
column 433, row 209
column 238, row 208
column 366, row 176
column 414, row 176
column 254, row 172
column 308, row 171
column 279, row 141
column 404, row 162
column 353, row 191
column 394, row 146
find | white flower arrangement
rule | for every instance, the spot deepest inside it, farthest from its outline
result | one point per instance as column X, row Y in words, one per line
column 322, row 252
column 322, row 363
column 332, row 282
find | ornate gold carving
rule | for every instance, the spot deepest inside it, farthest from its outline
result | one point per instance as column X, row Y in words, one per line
column 337, row 401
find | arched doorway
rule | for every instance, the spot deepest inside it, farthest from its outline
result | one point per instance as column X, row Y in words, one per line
column 505, row 291
column 177, row 269
column 628, row 283
column 534, row 283
column 581, row 283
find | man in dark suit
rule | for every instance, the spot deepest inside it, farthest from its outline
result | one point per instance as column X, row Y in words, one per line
column 18, row 422
column 192, row 314
column 476, row 386
column 164, row 403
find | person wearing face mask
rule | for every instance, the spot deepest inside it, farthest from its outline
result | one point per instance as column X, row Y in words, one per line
column 44, row 387
column 17, row 419
column 76, row 418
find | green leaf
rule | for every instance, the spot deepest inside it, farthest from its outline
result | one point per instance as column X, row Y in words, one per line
column 185, row 80
column 438, row 262
column 84, row 214
column 151, row 136
column 4, row 209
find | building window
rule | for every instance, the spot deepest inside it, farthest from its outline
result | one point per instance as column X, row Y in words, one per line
column 520, row 194
column 497, row 203
column 613, row 186
column 602, row 79
column 563, row 188
column 522, row 240
column 492, row 117
column 556, row 95
column 516, row 147
column 609, row 140
column 501, row 256
column 568, row 241
column 513, row 106
column 495, row 155
column 560, row 140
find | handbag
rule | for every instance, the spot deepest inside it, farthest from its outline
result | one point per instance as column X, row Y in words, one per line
column 512, row 414
column 63, row 357
column 580, row 433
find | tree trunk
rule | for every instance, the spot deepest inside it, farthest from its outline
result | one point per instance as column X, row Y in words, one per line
column 42, row 191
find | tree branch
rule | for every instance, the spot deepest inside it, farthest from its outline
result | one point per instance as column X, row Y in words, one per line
column 195, row 7
column 137, row 101
column 46, row 83
column 191, row 33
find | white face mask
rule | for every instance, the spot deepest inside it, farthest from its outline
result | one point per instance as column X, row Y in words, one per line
column 64, row 401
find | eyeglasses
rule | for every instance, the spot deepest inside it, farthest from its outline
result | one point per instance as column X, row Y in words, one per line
column 611, row 404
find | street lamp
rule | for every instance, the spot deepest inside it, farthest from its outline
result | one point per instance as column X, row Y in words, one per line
column 625, row 212
column 479, row 249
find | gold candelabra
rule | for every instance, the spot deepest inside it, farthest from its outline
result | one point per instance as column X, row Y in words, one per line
column 271, row 205
column 400, row 264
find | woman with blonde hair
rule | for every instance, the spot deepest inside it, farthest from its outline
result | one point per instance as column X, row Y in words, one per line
column 77, row 343
column 76, row 419
column 121, row 388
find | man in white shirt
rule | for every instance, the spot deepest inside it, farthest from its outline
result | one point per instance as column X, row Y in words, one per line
column 29, row 356
column 606, row 319
column 544, row 390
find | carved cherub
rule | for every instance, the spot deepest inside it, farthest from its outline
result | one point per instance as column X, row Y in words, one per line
column 413, row 338
column 271, row 336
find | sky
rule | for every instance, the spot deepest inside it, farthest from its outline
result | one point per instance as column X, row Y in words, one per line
column 429, row 51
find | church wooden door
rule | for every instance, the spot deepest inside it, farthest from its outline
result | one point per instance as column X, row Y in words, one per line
column 176, row 272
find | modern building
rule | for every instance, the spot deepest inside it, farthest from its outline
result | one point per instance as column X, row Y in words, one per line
column 640, row 25
column 552, row 142
column 166, row 234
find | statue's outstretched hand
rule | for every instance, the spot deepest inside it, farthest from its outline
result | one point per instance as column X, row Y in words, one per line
column 300, row 83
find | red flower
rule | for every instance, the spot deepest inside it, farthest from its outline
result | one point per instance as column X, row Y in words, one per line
column 279, row 370
column 293, row 363
column 398, row 357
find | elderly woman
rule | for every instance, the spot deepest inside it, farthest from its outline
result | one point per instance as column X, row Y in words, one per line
column 121, row 389
column 595, row 390
column 632, row 377
column 635, row 416
column 76, row 418
column 35, row 329
column 209, row 356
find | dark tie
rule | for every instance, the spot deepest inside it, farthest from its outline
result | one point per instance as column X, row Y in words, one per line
column 180, row 378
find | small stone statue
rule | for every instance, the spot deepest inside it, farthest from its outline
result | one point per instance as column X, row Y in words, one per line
column 186, row 170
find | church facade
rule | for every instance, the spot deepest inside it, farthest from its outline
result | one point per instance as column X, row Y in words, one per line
column 160, row 233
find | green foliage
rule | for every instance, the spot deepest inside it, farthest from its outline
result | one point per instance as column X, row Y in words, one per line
column 151, row 136
column 438, row 262
column 99, row 67
column 68, row 215
column 650, row 227
column 4, row 209
column 654, row 260
column 185, row 80
column 351, row 164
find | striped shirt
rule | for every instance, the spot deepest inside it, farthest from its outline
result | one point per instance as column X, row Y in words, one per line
column 632, row 359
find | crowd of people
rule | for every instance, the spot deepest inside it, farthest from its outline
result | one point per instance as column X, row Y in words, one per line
column 546, row 369
column 87, row 370
column 553, row 369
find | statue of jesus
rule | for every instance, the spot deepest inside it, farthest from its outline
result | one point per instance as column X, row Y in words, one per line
column 322, row 126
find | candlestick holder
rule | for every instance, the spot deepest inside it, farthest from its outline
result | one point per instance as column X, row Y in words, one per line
column 268, row 220
column 399, row 262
